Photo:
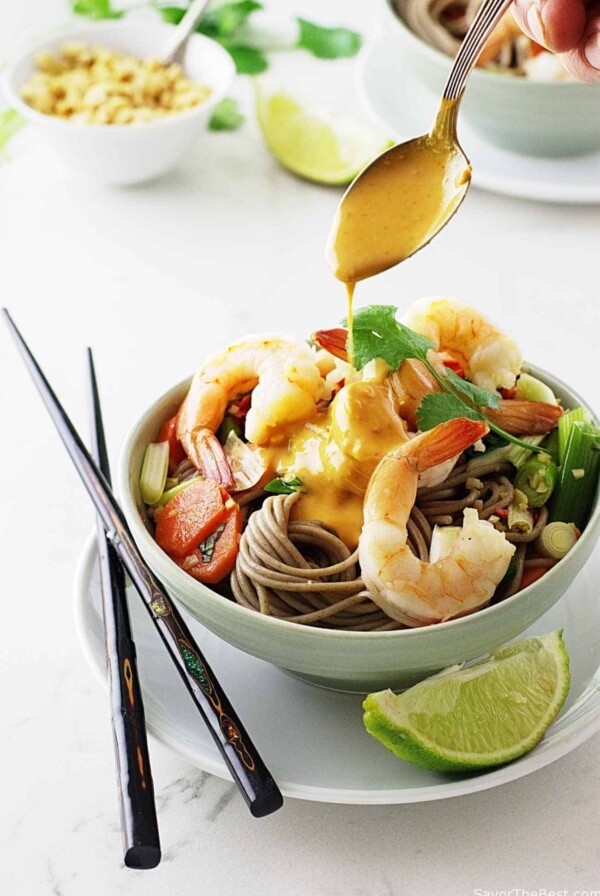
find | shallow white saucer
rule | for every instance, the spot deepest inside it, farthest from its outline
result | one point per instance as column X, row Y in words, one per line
column 313, row 739
column 405, row 108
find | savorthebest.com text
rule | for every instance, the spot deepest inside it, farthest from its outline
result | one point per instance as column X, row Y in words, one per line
column 541, row 891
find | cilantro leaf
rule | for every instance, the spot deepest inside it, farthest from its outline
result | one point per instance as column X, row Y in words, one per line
column 248, row 61
column 283, row 486
column 172, row 14
column 226, row 116
column 96, row 9
column 438, row 407
column 10, row 123
column 207, row 547
column 377, row 334
column 220, row 23
column 328, row 43
column 223, row 21
column 478, row 396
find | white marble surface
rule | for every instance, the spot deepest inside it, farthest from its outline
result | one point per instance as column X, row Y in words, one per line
column 153, row 277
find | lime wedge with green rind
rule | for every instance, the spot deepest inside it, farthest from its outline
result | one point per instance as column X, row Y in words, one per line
column 325, row 149
column 477, row 716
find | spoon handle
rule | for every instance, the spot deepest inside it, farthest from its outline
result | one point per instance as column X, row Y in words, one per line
column 182, row 31
column 489, row 14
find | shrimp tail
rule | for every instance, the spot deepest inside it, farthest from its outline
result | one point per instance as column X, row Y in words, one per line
column 206, row 453
column 525, row 417
column 443, row 442
column 333, row 341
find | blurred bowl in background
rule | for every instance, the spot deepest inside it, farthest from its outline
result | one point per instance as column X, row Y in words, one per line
column 539, row 118
column 125, row 153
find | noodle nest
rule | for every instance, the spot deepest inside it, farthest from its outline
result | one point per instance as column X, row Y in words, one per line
column 302, row 572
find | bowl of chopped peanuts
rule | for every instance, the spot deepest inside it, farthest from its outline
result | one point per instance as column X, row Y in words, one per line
column 111, row 109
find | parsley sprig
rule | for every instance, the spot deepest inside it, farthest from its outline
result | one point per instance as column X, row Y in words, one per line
column 377, row 334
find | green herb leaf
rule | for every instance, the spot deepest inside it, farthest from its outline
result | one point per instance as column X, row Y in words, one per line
column 223, row 21
column 10, row 123
column 248, row 61
column 478, row 396
column 283, row 486
column 328, row 43
column 377, row 334
column 207, row 548
column 226, row 116
column 172, row 14
column 220, row 23
column 96, row 9
column 439, row 407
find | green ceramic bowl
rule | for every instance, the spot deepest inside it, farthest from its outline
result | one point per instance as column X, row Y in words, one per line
column 349, row 661
column 531, row 117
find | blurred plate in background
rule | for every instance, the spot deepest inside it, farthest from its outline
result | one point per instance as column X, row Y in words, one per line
column 406, row 108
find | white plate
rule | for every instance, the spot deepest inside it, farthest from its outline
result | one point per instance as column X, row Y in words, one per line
column 313, row 739
column 404, row 107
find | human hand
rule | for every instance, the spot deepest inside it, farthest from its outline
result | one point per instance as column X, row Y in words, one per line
column 569, row 27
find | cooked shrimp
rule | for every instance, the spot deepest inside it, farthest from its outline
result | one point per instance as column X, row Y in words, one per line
column 281, row 373
column 490, row 358
column 525, row 417
column 406, row 588
column 410, row 384
column 285, row 383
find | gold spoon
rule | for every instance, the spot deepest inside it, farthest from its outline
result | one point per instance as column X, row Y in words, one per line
column 409, row 193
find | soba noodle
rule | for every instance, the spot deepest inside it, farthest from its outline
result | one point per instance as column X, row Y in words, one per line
column 444, row 23
column 302, row 572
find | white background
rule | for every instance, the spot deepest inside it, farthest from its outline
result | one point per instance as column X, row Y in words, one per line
column 153, row 277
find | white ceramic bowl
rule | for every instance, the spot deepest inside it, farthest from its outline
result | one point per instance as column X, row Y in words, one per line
column 538, row 118
column 127, row 153
column 352, row 661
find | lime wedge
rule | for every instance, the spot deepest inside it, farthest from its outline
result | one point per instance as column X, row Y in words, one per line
column 327, row 150
column 478, row 716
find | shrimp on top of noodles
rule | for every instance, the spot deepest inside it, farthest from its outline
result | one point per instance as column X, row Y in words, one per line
column 410, row 480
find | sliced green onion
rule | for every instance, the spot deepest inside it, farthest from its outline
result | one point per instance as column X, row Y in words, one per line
column 556, row 540
column 517, row 455
column 575, row 495
column 442, row 539
column 537, row 479
column 529, row 388
column 154, row 471
column 495, row 456
column 577, row 415
column 520, row 518
column 550, row 445
column 170, row 493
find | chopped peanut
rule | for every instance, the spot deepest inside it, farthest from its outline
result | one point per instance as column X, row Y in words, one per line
column 96, row 86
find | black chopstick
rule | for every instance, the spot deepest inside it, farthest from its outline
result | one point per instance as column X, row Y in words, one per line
column 243, row 761
column 139, row 826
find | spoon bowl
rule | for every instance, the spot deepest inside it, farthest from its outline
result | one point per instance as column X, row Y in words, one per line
column 398, row 204
column 409, row 193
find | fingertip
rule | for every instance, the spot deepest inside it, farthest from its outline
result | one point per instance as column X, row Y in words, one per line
column 558, row 25
column 584, row 62
column 564, row 23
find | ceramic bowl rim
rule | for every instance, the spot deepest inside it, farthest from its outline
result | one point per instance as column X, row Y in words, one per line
column 11, row 90
column 199, row 591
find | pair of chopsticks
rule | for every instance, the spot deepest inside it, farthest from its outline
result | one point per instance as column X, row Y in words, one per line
column 118, row 551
